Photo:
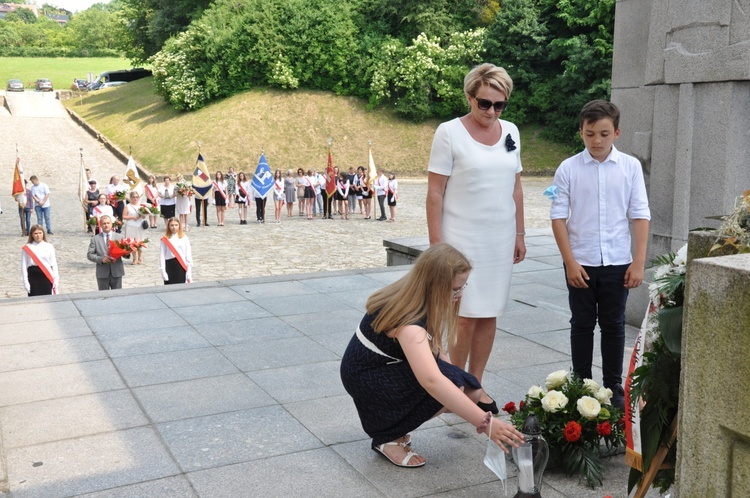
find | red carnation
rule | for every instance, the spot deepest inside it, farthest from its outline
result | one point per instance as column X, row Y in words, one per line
column 522, row 405
column 604, row 429
column 510, row 407
column 572, row 431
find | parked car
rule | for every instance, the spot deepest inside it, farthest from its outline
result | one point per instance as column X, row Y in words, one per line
column 43, row 85
column 14, row 86
column 79, row 84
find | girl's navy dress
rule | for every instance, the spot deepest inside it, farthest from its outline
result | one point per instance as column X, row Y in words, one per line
column 388, row 397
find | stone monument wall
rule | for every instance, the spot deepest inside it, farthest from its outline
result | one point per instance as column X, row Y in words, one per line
column 681, row 77
column 713, row 440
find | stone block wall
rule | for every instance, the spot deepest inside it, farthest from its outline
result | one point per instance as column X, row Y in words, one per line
column 713, row 449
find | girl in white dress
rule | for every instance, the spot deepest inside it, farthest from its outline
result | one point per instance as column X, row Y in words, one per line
column 279, row 197
column 183, row 204
column 152, row 196
column 482, row 219
column 176, row 257
column 133, row 220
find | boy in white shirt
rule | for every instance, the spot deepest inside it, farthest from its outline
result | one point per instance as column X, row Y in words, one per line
column 598, row 191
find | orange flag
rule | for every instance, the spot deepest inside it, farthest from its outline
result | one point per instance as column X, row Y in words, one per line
column 331, row 181
column 18, row 188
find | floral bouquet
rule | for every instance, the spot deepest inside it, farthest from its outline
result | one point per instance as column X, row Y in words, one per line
column 154, row 210
column 184, row 189
column 144, row 211
column 92, row 221
column 576, row 416
column 116, row 224
column 125, row 247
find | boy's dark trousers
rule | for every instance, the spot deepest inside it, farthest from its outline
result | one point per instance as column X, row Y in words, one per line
column 604, row 300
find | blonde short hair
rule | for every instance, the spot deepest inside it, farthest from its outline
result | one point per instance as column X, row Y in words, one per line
column 488, row 75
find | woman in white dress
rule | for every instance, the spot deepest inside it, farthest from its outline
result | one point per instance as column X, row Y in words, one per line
column 176, row 258
column 183, row 204
column 133, row 220
column 482, row 219
column 36, row 278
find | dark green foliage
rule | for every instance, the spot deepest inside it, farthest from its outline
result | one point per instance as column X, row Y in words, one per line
column 656, row 381
column 559, row 54
column 21, row 15
column 148, row 24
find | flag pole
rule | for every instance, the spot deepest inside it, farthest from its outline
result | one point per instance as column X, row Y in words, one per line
column 84, row 195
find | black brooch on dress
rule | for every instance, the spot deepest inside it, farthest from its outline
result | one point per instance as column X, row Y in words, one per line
column 509, row 143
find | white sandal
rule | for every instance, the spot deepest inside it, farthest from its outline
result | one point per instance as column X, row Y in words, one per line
column 404, row 444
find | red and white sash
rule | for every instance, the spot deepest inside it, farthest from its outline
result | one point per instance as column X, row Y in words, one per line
column 42, row 266
column 152, row 194
column 217, row 187
column 244, row 192
column 176, row 253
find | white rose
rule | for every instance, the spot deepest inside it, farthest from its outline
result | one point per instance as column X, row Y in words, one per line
column 535, row 392
column 556, row 379
column 603, row 395
column 554, row 401
column 680, row 258
column 588, row 407
column 591, row 386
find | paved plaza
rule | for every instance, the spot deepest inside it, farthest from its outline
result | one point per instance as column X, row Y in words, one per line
column 229, row 387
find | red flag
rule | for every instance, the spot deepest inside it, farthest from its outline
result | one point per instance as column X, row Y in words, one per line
column 18, row 180
column 330, row 181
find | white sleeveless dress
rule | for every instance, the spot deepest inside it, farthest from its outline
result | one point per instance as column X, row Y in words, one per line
column 479, row 215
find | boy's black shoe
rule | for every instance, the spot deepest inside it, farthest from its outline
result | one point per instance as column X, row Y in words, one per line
column 618, row 397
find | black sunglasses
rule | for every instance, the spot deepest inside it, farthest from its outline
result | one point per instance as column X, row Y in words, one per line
column 485, row 104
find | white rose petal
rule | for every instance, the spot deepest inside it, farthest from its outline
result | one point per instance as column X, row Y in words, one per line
column 603, row 395
column 556, row 379
column 535, row 392
column 681, row 257
column 588, row 407
column 554, row 401
column 591, row 386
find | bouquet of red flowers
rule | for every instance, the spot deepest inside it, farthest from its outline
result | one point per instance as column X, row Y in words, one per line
column 184, row 189
column 125, row 247
column 154, row 210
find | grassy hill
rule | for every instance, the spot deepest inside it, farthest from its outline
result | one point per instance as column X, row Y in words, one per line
column 291, row 127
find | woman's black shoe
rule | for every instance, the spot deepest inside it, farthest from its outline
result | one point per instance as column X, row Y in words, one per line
column 488, row 407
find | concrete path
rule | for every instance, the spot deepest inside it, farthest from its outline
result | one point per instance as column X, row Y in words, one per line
column 229, row 387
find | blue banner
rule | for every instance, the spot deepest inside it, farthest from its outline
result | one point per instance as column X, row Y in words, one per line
column 263, row 178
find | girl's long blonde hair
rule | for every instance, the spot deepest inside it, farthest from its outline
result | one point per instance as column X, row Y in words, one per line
column 424, row 294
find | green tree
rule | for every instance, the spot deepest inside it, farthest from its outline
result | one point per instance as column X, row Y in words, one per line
column 95, row 27
column 406, row 19
column 559, row 54
column 148, row 24
column 23, row 15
